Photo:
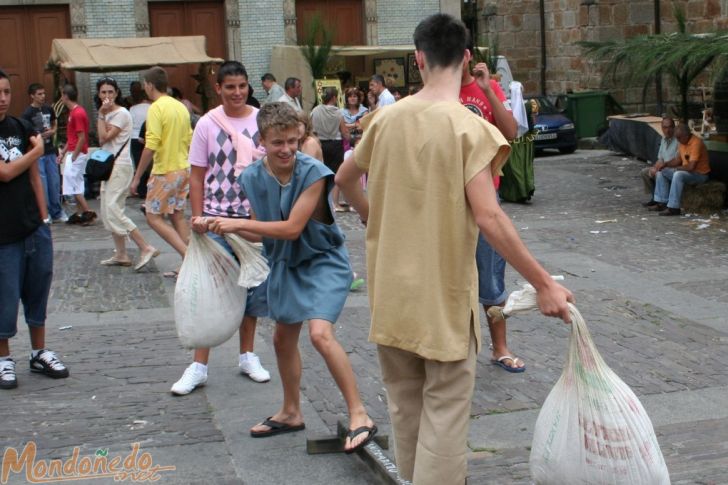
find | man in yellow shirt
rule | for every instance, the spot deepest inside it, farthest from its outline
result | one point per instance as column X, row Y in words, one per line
column 430, row 187
column 167, row 141
column 690, row 166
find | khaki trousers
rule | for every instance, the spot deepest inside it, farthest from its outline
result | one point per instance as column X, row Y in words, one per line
column 429, row 405
column 113, row 200
column 647, row 180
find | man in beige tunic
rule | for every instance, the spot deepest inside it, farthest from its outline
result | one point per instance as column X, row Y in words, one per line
column 431, row 166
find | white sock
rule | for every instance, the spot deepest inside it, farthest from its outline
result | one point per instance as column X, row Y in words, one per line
column 200, row 367
column 34, row 353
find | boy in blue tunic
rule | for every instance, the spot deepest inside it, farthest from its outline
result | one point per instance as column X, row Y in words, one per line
column 310, row 271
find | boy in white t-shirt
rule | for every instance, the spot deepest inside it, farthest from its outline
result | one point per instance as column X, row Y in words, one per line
column 217, row 157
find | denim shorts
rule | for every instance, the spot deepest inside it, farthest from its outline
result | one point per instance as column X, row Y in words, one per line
column 26, row 272
column 491, row 274
column 256, row 304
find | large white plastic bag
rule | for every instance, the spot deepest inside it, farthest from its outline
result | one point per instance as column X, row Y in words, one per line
column 592, row 429
column 253, row 266
column 208, row 302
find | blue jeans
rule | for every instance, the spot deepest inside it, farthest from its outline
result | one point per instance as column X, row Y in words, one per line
column 51, row 178
column 26, row 272
column 669, row 185
column 491, row 274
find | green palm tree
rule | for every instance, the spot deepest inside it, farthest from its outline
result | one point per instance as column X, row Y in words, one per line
column 680, row 56
column 317, row 47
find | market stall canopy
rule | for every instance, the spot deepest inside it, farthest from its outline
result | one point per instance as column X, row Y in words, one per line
column 128, row 54
column 288, row 61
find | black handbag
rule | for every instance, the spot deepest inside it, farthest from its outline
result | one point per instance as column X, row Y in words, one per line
column 100, row 164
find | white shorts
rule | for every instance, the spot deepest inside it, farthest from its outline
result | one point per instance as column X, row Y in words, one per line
column 73, row 172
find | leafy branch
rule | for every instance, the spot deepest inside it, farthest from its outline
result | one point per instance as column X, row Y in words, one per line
column 679, row 55
column 317, row 47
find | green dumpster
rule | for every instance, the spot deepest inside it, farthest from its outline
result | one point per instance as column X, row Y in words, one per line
column 588, row 111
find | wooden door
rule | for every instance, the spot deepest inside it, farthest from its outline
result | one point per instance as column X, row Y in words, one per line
column 26, row 34
column 190, row 18
column 344, row 18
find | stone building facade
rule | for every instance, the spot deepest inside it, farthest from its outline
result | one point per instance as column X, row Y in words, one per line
column 251, row 27
column 517, row 26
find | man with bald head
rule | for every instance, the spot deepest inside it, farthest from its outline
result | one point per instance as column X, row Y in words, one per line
column 690, row 166
column 667, row 151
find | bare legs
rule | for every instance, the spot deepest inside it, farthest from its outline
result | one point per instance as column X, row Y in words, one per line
column 285, row 341
column 120, row 247
column 498, row 338
column 82, row 204
column 37, row 340
column 177, row 235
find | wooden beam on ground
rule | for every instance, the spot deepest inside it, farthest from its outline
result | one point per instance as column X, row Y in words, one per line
column 372, row 454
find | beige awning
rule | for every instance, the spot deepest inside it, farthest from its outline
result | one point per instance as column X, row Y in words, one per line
column 370, row 50
column 128, row 54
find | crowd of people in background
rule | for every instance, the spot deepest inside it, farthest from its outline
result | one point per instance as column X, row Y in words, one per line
column 168, row 151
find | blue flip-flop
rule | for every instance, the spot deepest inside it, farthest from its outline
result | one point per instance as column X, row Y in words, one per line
column 514, row 360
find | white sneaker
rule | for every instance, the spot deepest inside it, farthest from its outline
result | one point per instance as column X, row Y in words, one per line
column 191, row 379
column 250, row 365
column 8, row 380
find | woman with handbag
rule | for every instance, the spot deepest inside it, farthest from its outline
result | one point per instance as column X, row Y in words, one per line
column 114, row 129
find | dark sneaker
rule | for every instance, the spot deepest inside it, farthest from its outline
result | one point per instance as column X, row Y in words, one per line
column 651, row 203
column 7, row 374
column 47, row 362
column 657, row 207
column 88, row 218
column 670, row 212
column 75, row 218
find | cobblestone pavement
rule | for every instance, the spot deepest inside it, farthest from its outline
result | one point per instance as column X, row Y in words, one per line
column 653, row 290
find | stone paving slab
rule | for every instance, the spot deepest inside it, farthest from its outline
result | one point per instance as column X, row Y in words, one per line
column 654, row 344
column 80, row 283
column 659, row 321
column 690, row 459
column 117, row 394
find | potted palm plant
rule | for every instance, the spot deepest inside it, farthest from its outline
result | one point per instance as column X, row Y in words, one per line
column 680, row 56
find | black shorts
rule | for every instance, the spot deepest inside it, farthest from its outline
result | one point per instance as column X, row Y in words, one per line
column 333, row 151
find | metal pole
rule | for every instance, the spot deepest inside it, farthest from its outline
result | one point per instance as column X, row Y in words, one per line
column 658, row 77
column 542, row 12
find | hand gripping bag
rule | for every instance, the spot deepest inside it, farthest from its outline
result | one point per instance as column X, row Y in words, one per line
column 592, row 429
column 253, row 266
column 208, row 301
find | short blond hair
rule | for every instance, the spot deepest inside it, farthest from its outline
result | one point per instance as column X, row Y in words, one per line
column 277, row 116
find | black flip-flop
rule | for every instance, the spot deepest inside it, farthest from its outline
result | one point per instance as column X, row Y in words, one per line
column 353, row 433
column 276, row 427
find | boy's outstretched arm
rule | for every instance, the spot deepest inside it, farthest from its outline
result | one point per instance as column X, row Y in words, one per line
column 289, row 229
column 347, row 178
column 502, row 236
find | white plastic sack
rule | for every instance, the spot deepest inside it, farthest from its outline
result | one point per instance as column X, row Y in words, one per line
column 253, row 266
column 592, row 429
column 208, row 301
